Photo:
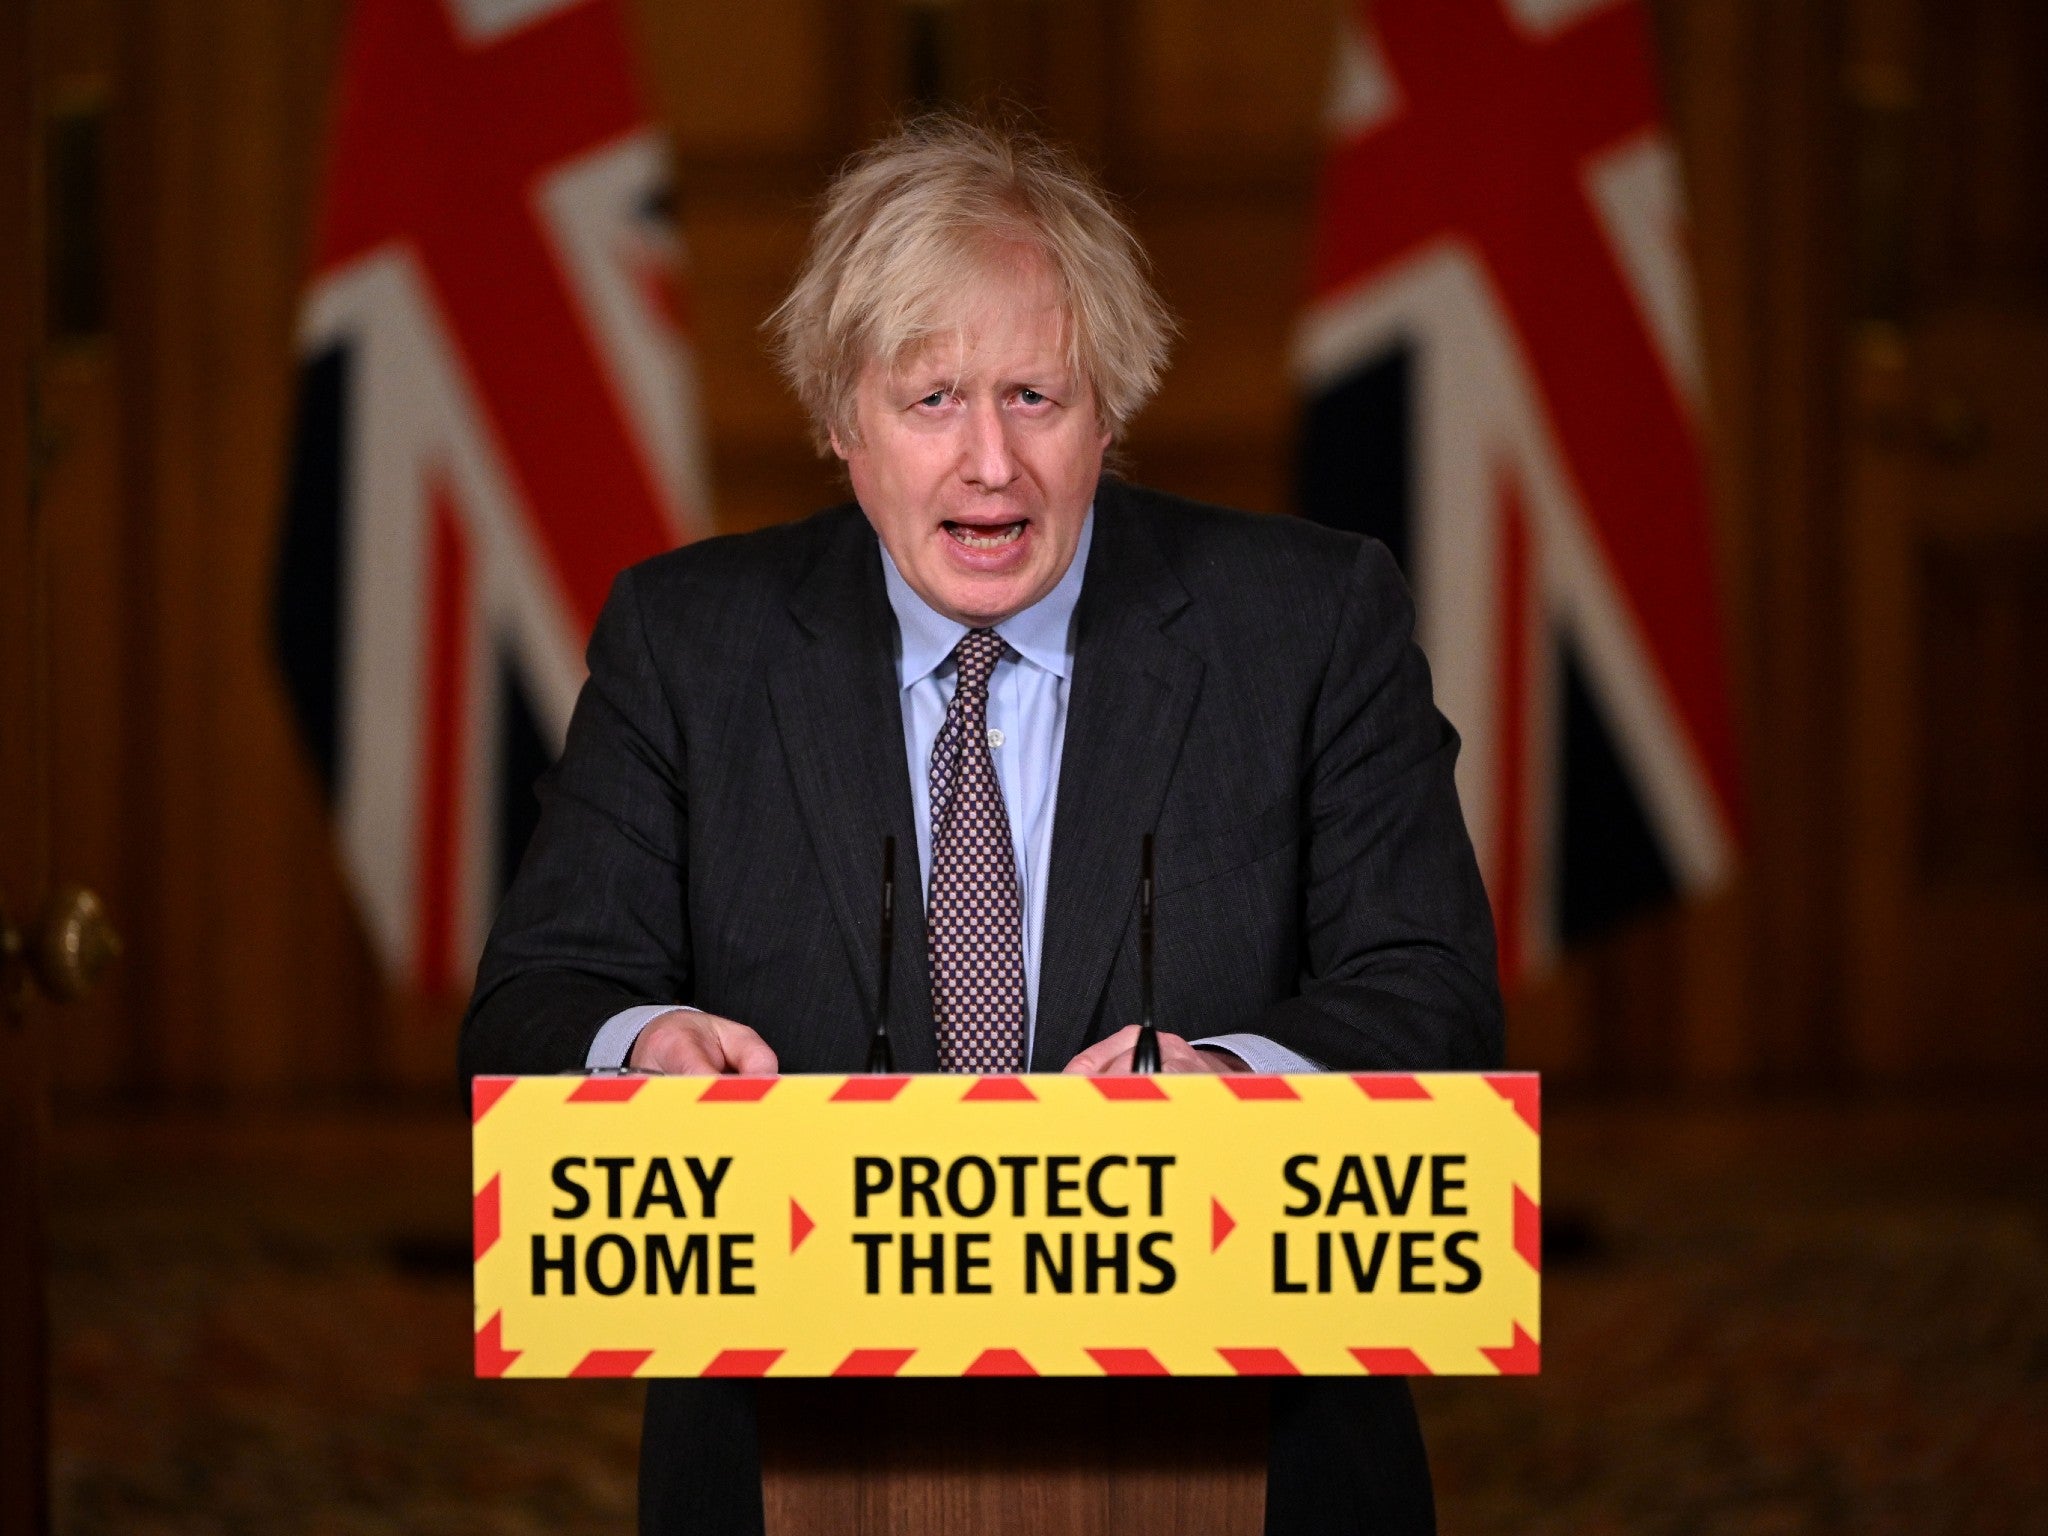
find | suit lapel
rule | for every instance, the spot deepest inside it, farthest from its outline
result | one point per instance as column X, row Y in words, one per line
column 836, row 706
column 1133, row 691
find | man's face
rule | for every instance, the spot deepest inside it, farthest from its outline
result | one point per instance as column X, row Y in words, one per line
column 979, row 452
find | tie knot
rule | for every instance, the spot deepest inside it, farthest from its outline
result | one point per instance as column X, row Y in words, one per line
column 976, row 656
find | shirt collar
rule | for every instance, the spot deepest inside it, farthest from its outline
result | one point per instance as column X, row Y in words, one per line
column 1042, row 634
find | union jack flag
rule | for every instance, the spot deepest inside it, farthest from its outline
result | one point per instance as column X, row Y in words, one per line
column 496, row 412
column 1503, row 382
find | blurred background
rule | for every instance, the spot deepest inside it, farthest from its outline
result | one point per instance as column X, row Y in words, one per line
column 1795, row 1205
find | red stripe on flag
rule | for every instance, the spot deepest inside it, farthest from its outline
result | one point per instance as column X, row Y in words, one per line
column 604, row 1363
column 661, row 294
column 1259, row 1362
column 1252, row 1087
column 1391, row 1362
column 605, row 1090
column 1508, row 880
column 1524, row 1357
column 999, row 1089
column 737, row 1090
column 868, row 1090
column 1496, row 126
column 484, row 1092
column 1390, row 1085
column 999, row 1362
column 445, row 735
column 1524, row 1090
column 493, row 1359
column 742, row 1362
column 485, row 1216
column 1128, row 1362
column 1529, row 1230
column 444, row 145
column 1124, row 1090
column 873, row 1362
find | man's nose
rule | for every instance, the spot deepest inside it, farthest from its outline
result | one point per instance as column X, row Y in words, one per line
column 985, row 457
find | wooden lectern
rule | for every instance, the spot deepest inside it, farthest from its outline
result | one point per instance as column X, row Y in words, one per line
column 996, row 1304
column 1077, row 1457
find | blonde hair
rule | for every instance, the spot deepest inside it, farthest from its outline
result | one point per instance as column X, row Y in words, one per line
column 907, row 229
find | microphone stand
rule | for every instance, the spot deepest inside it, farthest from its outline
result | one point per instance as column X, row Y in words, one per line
column 1145, row 1054
column 880, row 1057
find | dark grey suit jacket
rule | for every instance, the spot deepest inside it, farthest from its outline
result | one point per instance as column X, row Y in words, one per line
column 1248, row 687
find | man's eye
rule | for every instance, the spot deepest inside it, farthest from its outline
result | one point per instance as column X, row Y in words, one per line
column 1029, row 397
column 935, row 399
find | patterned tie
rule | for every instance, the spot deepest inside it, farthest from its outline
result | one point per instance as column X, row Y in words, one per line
column 976, row 930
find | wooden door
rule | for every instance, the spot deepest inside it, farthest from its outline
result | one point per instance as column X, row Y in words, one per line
column 1946, row 546
column 24, row 823
column 56, row 393
column 1948, row 552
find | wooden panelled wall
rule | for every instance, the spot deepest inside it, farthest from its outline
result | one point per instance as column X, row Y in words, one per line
column 1867, row 194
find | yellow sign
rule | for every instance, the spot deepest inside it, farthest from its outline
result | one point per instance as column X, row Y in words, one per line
column 1054, row 1226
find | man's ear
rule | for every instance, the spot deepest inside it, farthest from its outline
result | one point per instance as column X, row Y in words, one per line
column 838, row 443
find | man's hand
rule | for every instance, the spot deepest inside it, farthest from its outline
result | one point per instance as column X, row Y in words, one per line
column 686, row 1044
column 1106, row 1058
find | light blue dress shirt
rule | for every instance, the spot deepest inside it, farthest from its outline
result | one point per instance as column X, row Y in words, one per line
column 1027, row 729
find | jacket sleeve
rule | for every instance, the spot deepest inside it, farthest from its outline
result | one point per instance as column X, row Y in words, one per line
column 1398, row 965
column 596, row 919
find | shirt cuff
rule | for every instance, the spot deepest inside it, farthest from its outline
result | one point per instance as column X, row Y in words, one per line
column 615, row 1037
column 1261, row 1054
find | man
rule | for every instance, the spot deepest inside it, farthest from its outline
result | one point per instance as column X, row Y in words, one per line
column 1017, row 668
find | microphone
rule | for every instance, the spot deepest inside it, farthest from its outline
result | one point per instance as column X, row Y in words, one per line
column 880, row 1057
column 1145, row 1054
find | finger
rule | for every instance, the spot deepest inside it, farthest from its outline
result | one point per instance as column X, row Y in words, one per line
column 679, row 1048
column 1113, row 1062
column 745, row 1051
column 652, row 1047
column 1093, row 1061
column 1118, row 1065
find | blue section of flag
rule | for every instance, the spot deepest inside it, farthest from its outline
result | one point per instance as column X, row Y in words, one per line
column 1353, row 470
column 306, row 603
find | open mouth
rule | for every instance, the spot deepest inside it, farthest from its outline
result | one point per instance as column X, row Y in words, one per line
column 994, row 537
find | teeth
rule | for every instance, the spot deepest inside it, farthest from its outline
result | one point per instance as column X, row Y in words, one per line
column 975, row 539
